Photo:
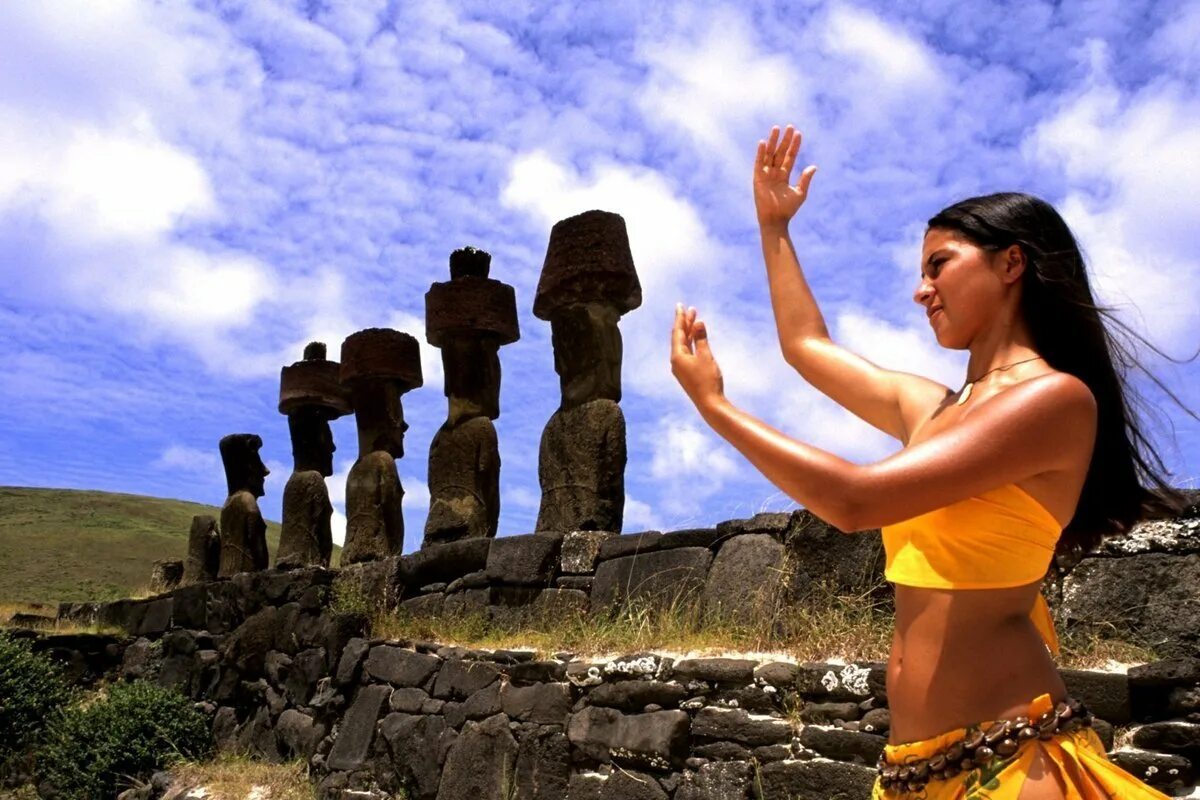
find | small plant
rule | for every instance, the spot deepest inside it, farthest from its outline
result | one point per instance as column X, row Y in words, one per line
column 237, row 776
column 94, row 750
column 348, row 597
column 32, row 692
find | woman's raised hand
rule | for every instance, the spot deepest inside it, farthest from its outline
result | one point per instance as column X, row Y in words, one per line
column 775, row 199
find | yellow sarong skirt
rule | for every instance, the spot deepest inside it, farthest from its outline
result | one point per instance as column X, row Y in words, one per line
column 1076, row 758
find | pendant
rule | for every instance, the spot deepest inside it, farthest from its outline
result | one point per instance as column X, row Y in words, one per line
column 964, row 395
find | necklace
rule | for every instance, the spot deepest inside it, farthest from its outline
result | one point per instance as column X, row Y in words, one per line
column 965, row 392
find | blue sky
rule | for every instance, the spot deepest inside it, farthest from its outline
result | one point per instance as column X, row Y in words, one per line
column 189, row 193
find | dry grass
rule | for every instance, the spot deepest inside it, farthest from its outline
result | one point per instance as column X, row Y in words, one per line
column 829, row 626
column 239, row 778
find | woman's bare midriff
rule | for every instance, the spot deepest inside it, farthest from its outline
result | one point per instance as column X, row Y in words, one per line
column 964, row 656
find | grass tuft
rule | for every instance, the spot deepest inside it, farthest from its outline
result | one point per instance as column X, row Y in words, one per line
column 231, row 777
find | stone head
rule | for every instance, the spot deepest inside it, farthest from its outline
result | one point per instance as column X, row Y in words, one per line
column 244, row 467
column 587, row 352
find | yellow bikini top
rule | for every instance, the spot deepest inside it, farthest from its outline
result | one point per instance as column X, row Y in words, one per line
column 997, row 539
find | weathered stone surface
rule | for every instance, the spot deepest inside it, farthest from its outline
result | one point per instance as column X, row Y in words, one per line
column 408, row 700
column 399, row 666
column 658, row 739
column 543, row 764
column 546, row 703
column 377, row 582
column 618, row 785
column 458, row 679
column 350, row 664
column 780, row 674
column 581, row 468
column 531, row 672
column 558, row 604
column 1180, row 738
column 374, row 519
column 841, row 682
column 297, row 735
column 481, row 764
column 1151, row 598
column 418, row 747
column 841, row 745
column 636, row 695
column 772, row 523
column 746, row 581
column 658, row 578
column 204, row 551
column 722, row 751
column 628, row 545
column 830, row 713
column 737, row 725
column 735, row 671
column 1161, row 689
column 1165, row 772
column 165, row 574
column 717, row 781
column 306, row 536
column 816, row 780
column 243, row 531
column 1106, row 694
column 484, row 703
column 357, row 729
column 464, row 464
column 877, row 720
column 818, row 553
column 444, row 562
column 306, row 669
column 581, row 550
column 524, row 560
column 1179, row 536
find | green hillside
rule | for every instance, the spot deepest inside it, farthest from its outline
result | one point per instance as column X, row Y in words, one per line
column 66, row 544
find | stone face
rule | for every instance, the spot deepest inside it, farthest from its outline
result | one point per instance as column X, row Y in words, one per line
column 543, row 764
column 458, row 679
column 481, row 764
column 581, row 468
column 842, row 745
column 444, row 562
column 746, row 580
column 243, row 531
column 523, row 560
column 1105, row 694
column 717, row 781
column 737, row 671
column 357, row 730
column 1149, row 597
column 818, row 553
column 544, row 703
column 418, row 746
column 400, row 667
column 636, row 695
column 736, row 725
column 580, row 550
column 657, row 739
column 1160, row 770
column 619, row 785
column 816, row 780
column 659, row 578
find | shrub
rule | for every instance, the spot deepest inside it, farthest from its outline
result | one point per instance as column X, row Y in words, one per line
column 32, row 692
column 95, row 750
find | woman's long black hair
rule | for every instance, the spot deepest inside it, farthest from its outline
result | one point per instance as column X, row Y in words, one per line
column 1126, row 480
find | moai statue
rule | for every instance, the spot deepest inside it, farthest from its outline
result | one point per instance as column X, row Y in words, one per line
column 311, row 394
column 588, row 281
column 378, row 365
column 204, row 551
column 243, row 531
column 469, row 317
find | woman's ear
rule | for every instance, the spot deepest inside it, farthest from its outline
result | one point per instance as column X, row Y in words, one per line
column 1012, row 263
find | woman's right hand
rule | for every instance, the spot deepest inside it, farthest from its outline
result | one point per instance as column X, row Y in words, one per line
column 775, row 199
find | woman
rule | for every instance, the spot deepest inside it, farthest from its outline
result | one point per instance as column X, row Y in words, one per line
column 1038, row 442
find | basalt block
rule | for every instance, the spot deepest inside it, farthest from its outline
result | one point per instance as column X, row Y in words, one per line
column 660, row 578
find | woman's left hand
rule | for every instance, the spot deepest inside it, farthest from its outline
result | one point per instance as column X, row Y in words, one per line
column 692, row 361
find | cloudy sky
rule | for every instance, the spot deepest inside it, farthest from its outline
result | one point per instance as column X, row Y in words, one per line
column 188, row 194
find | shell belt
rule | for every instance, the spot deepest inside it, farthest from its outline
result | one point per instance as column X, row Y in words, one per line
column 979, row 747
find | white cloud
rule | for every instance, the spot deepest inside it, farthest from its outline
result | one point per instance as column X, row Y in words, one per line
column 191, row 460
column 886, row 54
column 896, row 347
column 1131, row 166
column 682, row 448
column 640, row 516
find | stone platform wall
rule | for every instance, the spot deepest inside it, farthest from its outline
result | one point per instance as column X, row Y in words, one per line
column 282, row 674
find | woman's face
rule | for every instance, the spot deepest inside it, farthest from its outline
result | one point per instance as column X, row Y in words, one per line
column 962, row 287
